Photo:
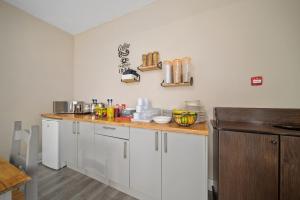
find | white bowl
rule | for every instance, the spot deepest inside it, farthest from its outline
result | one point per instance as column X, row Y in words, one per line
column 162, row 119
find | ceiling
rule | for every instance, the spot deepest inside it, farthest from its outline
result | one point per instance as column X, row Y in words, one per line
column 75, row 16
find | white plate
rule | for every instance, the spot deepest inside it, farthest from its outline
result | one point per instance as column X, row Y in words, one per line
column 162, row 119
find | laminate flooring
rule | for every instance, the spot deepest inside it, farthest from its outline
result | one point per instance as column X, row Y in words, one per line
column 67, row 184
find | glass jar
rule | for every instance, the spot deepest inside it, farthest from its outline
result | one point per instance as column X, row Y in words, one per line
column 186, row 69
column 168, row 71
column 177, row 71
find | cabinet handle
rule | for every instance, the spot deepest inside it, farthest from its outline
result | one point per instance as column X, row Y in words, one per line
column 166, row 142
column 110, row 128
column 74, row 128
column 274, row 141
column 156, row 141
column 78, row 132
column 125, row 150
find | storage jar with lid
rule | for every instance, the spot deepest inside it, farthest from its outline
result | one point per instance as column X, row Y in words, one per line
column 177, row 71
column 144, row 58
column 168, row 71
column 155, row 58
column 149, row 59
column 186, row 69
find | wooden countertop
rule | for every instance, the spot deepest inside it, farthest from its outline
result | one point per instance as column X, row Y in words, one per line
column 252, row 127
column 197, row 129
column 10, row 176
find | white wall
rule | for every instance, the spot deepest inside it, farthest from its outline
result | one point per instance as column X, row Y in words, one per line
column 36, row 67
column 229, row 41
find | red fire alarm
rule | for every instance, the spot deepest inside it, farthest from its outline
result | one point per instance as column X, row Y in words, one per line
column 256, row 80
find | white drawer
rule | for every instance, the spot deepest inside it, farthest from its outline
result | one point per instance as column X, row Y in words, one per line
column 112, row 131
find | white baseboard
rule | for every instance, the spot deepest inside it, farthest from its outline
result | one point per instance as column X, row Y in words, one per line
column 210, row 184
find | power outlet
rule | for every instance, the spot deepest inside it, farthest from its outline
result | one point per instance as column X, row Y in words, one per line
column 210, row 184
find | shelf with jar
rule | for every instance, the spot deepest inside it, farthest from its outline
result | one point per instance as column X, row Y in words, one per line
column 177, row 73
column 185, row 84
column 151, row 61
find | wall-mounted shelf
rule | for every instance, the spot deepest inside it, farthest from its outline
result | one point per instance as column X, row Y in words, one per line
column 150, row 68
column 131, row 80
column 163, row 84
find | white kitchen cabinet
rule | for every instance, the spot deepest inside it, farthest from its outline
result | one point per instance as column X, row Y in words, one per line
column 85, row 152
column 118, row 161
column 77, row 145
column 151, row 165
column 184, row 167
column 145, row 163
column 101, row 158
column 112, row 154
column 69, row 143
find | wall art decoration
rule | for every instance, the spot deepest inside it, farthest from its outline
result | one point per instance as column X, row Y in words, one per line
column 123, row 53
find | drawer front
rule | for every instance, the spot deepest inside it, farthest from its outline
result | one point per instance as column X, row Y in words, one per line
column 100, row 130
column 112, row 131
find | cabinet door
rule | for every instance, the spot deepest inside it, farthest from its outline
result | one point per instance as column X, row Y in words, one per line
column 290, row 168
column 101, row 148
column 145, row 162
column 248, row 166
column 85, row 133
column 184, row 167
column 69, row 143
column 118, row 167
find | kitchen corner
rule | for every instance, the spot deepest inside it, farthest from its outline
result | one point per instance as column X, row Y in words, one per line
column 135, row 157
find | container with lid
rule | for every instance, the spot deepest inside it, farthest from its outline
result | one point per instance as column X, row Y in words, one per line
column 110, row 109
column 149, row 59
column 168, row 71
column 155, row 58
column 177, row 71
column 144, row 58
column 186, row 69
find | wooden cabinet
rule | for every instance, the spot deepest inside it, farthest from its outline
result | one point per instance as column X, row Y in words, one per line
column 69, row 143
column 248, row 167
column 290, row 168
column 184, row 167
column 85, row 151
column 145, row 163
column 256, row 153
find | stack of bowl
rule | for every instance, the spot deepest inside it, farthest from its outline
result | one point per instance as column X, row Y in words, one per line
column 195, row 106
column 144, row 111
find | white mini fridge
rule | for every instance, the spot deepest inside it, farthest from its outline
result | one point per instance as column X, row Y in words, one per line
column 51, row 143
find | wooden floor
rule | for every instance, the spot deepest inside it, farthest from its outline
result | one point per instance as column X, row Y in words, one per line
column 67, row 184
